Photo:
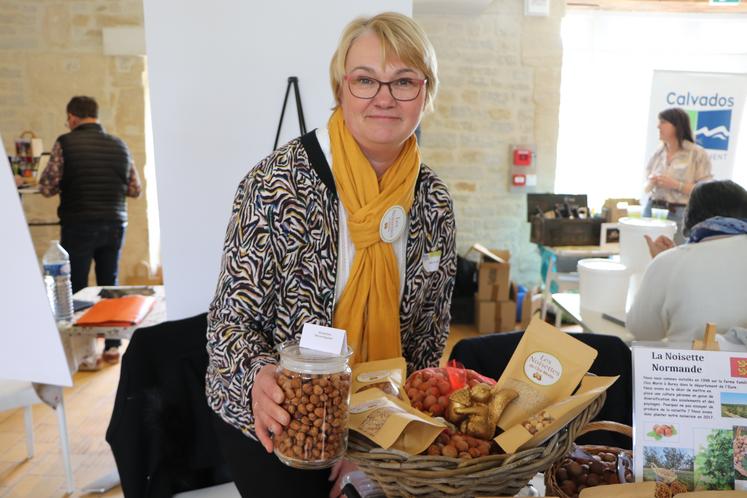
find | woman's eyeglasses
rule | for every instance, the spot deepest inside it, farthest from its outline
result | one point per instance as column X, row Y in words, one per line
column 402, row 89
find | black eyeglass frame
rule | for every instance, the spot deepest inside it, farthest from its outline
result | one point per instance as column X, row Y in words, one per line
column 421, row 83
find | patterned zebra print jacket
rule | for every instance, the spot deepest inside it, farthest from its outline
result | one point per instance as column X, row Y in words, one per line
column 279, row 265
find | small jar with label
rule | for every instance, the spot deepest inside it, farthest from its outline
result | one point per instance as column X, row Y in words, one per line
column 316, row 387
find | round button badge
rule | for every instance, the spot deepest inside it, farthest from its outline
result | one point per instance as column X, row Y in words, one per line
column 392, row 224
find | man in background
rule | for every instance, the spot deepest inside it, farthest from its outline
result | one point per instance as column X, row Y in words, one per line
column 93, row 172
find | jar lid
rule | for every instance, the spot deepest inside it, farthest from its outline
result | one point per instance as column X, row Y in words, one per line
column 304, row 360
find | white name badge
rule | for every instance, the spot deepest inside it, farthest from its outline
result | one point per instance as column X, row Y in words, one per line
column 325, row 339
column 392, row 224
column 431, row 261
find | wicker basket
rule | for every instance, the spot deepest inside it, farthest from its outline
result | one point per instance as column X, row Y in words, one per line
column 553, row 486
column 400, row 474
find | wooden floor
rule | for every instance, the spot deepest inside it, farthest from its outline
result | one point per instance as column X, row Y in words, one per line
column 88, row 405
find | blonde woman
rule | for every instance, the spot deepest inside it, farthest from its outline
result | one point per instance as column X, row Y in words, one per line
column 311, row 240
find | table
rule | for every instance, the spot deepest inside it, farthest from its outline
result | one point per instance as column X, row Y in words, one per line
column 80, row 342
column 591, row 321
column 559, row 266
column 34, row 190
column 156, row 315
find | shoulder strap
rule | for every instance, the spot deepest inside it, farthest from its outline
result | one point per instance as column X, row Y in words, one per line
column 318, row 161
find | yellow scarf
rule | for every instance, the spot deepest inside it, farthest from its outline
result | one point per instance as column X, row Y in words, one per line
column 369, row 306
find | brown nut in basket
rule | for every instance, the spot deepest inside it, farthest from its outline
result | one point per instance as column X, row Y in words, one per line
column 567, row 477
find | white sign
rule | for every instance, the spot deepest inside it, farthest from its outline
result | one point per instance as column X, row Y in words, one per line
column 690, row 417
column 325, row 339
column 30, row 346
column 714, row 102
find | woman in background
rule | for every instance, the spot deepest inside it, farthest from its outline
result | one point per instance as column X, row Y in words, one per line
column 675, row 168
column 702, row 281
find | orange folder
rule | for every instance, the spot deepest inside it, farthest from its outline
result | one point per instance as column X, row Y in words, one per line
column 119, row 312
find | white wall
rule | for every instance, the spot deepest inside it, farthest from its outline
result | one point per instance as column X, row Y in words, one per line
column 608, row 64
column 218, row 72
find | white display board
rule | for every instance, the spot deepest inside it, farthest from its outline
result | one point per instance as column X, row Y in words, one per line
column 690, row 417
column 714, row 101
column 30, row 346
column 217, row 74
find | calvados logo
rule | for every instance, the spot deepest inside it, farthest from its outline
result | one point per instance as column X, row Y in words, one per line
column 711, row 128
column 738, row 367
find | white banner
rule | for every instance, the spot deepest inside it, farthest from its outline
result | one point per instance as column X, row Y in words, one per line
column 714, row 102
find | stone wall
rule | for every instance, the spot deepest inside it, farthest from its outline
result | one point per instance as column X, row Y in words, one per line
column 500, row 85
column 500, row 75
column 50, row 51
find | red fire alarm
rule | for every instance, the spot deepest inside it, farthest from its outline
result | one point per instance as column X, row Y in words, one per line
column 519, row 180
column 522, row 157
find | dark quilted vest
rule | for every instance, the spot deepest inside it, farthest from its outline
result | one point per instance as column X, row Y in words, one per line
column 95, row 174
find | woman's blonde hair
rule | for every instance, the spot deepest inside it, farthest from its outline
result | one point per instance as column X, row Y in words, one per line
column 399, row 35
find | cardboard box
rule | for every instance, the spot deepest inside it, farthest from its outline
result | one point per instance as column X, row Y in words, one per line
column 493, row 282
column 493, row 277
column 611, row 212
column 505, row 318
column 485, row 312
column 495, row 316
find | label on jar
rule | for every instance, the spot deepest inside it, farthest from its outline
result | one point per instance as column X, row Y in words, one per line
column 543, row 368
column 326, row 339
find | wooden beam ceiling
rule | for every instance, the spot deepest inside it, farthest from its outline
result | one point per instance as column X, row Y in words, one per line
column 669, row 6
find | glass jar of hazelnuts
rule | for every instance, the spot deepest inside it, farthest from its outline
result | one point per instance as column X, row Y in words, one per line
column 316, row 386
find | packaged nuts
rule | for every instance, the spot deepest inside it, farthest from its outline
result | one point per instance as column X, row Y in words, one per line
column 537, row 422
column 387, row 375
column 316, row 389
column 536, row 428
column 545, row 368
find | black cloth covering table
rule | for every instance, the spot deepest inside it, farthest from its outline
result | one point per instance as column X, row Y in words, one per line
column 161, row 431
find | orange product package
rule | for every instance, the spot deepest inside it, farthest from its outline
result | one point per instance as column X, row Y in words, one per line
column 119, row 312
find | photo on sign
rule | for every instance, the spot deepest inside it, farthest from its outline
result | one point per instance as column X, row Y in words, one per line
column 734, row 405
column 714, row 468
column 739, row 448
column 659, row 431
column 673, row 466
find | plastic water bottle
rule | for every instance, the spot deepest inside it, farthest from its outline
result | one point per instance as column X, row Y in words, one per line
column 57, row 278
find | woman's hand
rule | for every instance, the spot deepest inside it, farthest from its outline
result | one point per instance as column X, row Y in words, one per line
column 661, row 244
column 269, row 416
column 340, row 470
column 665, row 181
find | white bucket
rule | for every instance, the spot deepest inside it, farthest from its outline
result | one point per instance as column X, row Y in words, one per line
column 603, row 285
column 634, row 252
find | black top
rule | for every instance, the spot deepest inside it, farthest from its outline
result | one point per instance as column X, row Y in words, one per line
column 95, row 176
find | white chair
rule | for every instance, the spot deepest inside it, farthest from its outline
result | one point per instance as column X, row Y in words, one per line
column 227, row 490
column 18, row 394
